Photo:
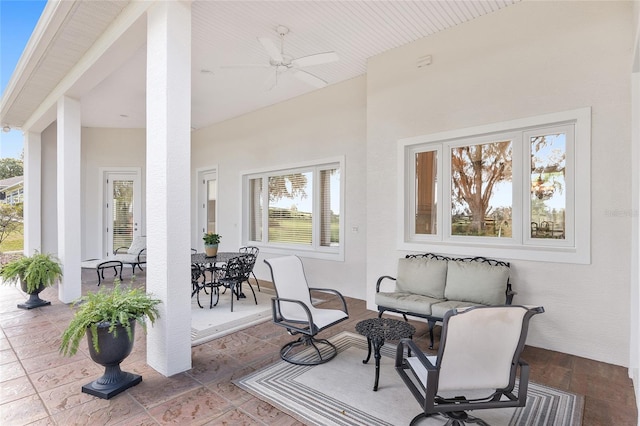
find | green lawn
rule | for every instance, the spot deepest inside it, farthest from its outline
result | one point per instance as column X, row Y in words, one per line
column 14, row 242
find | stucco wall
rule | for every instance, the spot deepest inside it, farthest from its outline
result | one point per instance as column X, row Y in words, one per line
column 49, row 190
column 324, row 124
column 106, row 148
column 526, row 60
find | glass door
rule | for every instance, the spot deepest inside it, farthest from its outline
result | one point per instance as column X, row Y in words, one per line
column 207, row 208
column 122, row 207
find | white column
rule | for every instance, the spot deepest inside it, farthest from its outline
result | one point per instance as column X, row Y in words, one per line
column 168, row 183
column 32, row 193
column 68, row 183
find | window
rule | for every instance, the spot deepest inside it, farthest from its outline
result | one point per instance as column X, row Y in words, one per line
column 296, row 209
column 508, row 188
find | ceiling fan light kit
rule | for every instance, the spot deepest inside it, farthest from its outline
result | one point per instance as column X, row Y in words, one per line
column 282, row 62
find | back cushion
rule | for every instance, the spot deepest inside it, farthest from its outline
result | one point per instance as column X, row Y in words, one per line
column 422, row 276
column 137, row 244
column 476, row 282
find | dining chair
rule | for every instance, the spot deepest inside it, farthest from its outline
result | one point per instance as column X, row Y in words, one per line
column 234, row 273
column 254, row 251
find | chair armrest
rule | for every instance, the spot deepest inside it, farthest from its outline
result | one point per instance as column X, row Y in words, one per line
column 140, row 254
column 510, row 293
column 279, row 318
column 380, row 280
column 411, row 345
column 116, row 251
column 335, row 292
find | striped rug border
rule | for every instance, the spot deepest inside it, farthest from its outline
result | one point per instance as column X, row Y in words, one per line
column 276, row 385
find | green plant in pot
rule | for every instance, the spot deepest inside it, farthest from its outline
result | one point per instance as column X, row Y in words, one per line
column 211, row 242
column 34, row 273
column 108, row 319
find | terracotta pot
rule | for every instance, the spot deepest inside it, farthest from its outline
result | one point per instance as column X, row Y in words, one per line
column 211, row 250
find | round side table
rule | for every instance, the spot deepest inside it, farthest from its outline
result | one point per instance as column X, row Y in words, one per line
column 377, row 330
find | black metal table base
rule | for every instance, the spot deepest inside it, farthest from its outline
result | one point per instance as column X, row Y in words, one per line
column 377, row 330
column 377, row 344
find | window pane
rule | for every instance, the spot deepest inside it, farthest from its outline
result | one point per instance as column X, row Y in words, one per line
column 255, row 209
column 212, row 189
column 122, row 222
column 330, row 208
column 481, row 194
column 426, row 196
column 290, row 206
column 548, row 197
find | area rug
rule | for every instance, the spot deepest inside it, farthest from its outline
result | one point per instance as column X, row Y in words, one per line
column 340, row 393
column 208, row 324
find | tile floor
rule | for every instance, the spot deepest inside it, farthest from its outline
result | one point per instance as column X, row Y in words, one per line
column 40, row 387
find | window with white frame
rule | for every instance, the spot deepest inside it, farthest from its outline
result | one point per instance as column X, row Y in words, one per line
column 296, row 209
column 518, row 189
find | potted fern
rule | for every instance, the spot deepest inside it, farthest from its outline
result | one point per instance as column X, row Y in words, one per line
column 211, row 242
column 108, row 319
column 34, row 273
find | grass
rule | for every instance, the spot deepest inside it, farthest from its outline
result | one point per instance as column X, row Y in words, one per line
column 14, row 242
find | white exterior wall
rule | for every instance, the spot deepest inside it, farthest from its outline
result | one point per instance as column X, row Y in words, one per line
column 526, row 60
column 107, row 148
column 49, row 189
column 324, row 124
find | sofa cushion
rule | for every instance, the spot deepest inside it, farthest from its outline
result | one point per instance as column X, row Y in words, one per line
column 476, row 282
column 439, row 309
column 138, row 243
column 406, row 302
column 422, row 276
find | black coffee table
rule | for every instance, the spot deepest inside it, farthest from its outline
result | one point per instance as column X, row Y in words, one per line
column 377, row 330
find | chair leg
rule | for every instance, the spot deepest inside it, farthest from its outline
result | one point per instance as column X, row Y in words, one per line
column 257, row 282
column 255, row 299
column 431, row 325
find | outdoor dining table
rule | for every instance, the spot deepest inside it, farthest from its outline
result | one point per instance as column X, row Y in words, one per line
column 201, row 259
column 222, row 257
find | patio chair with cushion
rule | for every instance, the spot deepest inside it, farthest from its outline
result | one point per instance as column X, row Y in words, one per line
column 134, row 255
column 293, row 310
column 476, row 365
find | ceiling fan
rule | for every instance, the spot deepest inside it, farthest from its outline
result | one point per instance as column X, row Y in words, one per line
column 283, row 63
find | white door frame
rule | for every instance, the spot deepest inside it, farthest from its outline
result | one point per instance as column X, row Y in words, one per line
column 202, row 176
column 105, row 172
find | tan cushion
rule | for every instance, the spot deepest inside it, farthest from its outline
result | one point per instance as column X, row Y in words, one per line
column 137, row 244
column 439, row 309
column 406, row 302
column 476, row 282
column 426, row 277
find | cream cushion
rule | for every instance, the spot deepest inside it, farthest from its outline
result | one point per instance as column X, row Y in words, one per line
column 138, row 243
column 422, row 276
column 476, row 282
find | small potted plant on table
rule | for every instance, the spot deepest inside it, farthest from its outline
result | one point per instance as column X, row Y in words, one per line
column 35, row 273
column 108, row 319
column 211, row 242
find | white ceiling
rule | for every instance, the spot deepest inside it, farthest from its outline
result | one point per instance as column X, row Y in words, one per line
column 225, row 33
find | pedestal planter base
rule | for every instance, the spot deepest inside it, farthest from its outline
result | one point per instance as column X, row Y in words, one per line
column 109, row 390
column 33, row 302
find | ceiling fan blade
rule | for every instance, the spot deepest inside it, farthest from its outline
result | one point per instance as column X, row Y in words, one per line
column 271, row 81
column 271, row 48
column 245, row 66
column 309, row 78
column 317, row 59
